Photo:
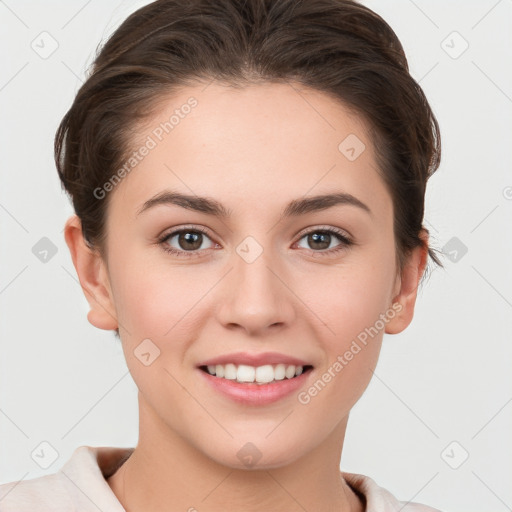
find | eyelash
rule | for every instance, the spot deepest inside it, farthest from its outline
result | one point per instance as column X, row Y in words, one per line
column 162, row 241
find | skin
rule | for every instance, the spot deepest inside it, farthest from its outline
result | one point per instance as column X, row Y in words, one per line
column 254, row 150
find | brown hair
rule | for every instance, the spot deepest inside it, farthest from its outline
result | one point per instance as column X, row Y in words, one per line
column 338, row 47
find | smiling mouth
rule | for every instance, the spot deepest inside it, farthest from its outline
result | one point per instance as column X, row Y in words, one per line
column 267, row 374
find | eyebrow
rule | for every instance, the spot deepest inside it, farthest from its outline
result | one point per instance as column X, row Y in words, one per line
column 294, row 208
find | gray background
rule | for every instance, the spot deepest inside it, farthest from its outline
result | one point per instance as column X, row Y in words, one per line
column 442, row 389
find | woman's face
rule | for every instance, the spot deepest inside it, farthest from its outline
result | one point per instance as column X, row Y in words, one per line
column 265, row 277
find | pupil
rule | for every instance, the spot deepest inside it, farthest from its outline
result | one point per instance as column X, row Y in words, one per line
column 189, row 238
column 316, row 238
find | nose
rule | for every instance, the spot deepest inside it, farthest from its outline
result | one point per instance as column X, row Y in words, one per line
column 255, row 295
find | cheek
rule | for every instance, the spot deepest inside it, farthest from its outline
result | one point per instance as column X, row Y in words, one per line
column 158, row 304
column 350, row 297
column 153, row 298
column 353, row 306
column 350, row 310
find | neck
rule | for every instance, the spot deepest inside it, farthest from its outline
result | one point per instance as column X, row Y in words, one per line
column 166, row 469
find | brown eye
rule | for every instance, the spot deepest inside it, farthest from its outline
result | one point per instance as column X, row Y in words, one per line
column 321, row 240
column 183, row 241
column 189, row 240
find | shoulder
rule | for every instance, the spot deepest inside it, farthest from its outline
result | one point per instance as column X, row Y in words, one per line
column 80, row 484
column 44, row 494
column 379, row 499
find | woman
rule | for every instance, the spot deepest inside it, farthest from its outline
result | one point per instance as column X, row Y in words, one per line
column 248, row 180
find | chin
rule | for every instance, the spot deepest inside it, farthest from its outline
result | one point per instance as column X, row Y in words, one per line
column 258, row 454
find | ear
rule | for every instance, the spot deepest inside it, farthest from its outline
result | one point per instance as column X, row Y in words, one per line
column 406, row 288
column 93, row 276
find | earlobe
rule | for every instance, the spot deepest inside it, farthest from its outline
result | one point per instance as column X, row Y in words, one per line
column 92, row 275
column 409, row 281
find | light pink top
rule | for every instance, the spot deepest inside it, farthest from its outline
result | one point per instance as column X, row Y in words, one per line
column 80, row 485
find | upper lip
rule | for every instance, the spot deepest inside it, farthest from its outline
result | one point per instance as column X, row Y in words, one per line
column 256, row 360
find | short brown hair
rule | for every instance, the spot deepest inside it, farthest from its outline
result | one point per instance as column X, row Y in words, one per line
column 338, row 47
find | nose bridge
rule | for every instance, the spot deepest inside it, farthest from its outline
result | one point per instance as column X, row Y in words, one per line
column 255, row 298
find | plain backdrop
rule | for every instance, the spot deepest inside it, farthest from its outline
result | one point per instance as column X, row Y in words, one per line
column 434, row 424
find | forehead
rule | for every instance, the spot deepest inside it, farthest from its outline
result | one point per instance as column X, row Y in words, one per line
column 260, row 144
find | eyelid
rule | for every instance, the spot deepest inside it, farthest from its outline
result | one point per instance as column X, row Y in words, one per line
column 345, row 238
column 176, row 230
column 313, row 229
column 305, row 231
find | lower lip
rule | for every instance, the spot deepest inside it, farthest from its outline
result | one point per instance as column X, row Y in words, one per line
column 256, row 394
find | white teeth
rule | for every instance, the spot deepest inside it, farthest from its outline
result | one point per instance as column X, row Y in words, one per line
column 264, row 374
column 245, row 373
column 289, row 372
column 230, row 372
column 260, row 375
column 279, row 372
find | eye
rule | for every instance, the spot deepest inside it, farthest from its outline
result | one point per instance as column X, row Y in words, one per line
column 320, row 240
column 188, row 240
